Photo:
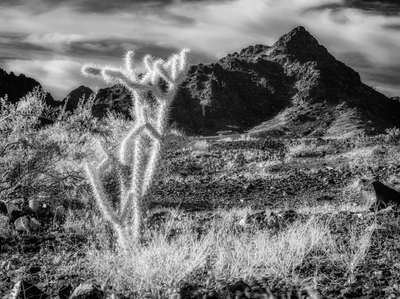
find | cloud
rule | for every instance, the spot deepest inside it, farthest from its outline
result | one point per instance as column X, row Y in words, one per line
column 55, row 40
column 381, row 7
column 392, row 26
column 96, row 6
column 385, row 7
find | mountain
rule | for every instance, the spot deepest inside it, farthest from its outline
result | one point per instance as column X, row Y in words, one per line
column 16, row 87
column 115, row 98
column 293, row 88
column 72, row 99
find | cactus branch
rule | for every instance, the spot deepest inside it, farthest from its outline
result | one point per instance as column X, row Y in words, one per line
column 141, row 149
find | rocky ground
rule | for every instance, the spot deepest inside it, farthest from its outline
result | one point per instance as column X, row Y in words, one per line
column 294, row 179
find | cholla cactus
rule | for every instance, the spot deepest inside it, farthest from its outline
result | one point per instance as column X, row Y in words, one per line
column 141, row 149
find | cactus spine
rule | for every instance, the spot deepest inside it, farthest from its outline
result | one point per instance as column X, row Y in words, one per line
column 141, row 149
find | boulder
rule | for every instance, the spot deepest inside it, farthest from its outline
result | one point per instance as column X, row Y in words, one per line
column 3, row 207
column 22, row 224
column 23, row 290
column 385, row 196
column 87, row 291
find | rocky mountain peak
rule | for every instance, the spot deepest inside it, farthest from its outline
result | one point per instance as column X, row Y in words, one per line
column 254, row 50
column 300, row 43
column 74, row 96
column 16, row 87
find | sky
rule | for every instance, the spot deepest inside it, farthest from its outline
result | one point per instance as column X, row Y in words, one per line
column 50, row 40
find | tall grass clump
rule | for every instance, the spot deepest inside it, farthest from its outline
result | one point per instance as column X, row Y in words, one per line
column 178, row 254
column 137, row 160
column 349, row 254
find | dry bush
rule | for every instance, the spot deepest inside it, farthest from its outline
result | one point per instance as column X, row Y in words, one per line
column 44, row 161
column 307, row 149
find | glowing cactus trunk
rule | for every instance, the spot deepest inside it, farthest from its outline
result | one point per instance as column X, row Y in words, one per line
column 142, row 147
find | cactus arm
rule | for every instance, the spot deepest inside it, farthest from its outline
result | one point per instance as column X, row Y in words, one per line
column 118, row 76
column 90, row 70
column 129, row 66
column 100, row 196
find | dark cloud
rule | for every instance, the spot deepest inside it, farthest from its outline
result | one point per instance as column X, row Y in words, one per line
column 392, row 26
column 373, row 75
column 386, row 7
column 331, row 6
column 11, row 2
column 387, row 78
column 116, row 48
column 383, row 7
column 355, row 60
column 21, row 47
column 385, row 75
column 12, row 46
column 103, row 6
column 98, row 6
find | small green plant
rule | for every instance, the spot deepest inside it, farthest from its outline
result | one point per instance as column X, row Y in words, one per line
column 140, row 151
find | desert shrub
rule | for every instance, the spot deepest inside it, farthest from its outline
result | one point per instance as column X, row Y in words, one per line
column 308, row 149
column 200, row 147
column 39, row 161
column 393, row 135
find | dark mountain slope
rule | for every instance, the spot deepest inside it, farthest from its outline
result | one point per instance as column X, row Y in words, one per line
column 16, row 87
column 294, row 87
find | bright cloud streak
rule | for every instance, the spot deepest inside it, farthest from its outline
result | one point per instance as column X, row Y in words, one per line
column 83, row 31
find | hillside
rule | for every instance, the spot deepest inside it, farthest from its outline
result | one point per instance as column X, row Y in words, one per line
column 293, row 88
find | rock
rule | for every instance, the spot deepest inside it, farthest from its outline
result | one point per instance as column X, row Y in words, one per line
column 245, row 221
column 238, row 287
column 64, row 292
column 34, row 205
column 11, row 207
column 385, row 196
column 34, row 269
column 3, row 207
column 87, row 291
column 249, row 187
column 34, row 224
column 59, row 214
column 22, row 224
column 24, row 290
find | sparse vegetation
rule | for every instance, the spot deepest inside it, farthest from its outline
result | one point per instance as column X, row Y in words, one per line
column 393, row 135
column 284, row 216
